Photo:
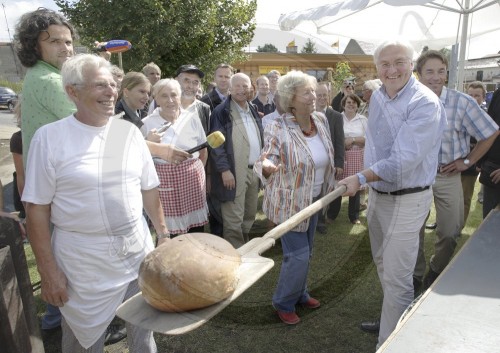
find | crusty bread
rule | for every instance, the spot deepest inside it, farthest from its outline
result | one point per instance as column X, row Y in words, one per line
column 191, row 271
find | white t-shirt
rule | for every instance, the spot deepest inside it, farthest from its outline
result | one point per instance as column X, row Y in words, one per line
column 92, row 177
column 321, row 161
column 185, row 133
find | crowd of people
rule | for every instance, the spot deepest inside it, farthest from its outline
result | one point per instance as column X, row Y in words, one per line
column 106, row 159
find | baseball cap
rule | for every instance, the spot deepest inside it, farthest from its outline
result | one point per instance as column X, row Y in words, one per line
column 190, row 69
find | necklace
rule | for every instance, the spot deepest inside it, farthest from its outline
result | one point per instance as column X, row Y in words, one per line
column 311, row 130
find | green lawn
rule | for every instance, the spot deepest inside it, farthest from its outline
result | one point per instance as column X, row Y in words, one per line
column 342, row 277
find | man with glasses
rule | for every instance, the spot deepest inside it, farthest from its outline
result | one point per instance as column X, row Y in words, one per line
column 403, row 139
column 90, row 176
column 189, row 78
column 369, row 87
column 336, row 124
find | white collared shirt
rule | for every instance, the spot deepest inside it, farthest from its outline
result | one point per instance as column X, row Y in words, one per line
column 252, row 133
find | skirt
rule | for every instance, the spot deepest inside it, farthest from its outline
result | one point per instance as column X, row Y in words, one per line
column 183, row 195
column 353, row 162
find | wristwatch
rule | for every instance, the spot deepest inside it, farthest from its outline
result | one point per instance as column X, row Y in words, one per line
column 361, row 178
column 163, row 236
column 466, row 161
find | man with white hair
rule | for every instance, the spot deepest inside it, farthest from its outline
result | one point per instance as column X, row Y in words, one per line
column 90, row 176
column 231, row 165
column 369, row 87
column 401, row 158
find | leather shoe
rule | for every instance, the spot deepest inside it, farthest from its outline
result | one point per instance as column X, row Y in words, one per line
column 370, row 326
column 356, row 221
column 115, row 333
column 311, row 303
column 429, row 278
column 417, row 287
column 431, row 226
column 288, row 318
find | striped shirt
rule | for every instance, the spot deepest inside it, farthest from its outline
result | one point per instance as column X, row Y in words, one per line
column 404, row 137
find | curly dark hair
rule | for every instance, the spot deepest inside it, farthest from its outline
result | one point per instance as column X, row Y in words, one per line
column 29, row 27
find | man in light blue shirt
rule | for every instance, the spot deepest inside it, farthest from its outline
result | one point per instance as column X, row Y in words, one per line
column 401, row 157
column 465, row 119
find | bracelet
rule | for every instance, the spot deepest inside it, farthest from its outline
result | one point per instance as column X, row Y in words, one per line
column 163, row 236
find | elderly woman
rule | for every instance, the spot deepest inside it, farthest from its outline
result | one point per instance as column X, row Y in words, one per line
column 90, row 176
column 182, row 189
column 296, row 167
column 354, row 141
column 133, row 97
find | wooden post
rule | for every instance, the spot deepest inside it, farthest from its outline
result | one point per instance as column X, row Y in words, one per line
column 13, row 327
column 22, row 299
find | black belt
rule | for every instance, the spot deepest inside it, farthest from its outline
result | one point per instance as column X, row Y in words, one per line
column 403, row 191
column 250, row 166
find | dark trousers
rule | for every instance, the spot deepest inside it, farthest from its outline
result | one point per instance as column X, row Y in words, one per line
column 491, row 198
column 215, row 217
column 353, row 210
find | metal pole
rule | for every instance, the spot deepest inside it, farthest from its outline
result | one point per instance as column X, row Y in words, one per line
column 463, row 42
column 120, row 62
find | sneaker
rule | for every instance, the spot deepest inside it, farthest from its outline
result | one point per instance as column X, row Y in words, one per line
column 288, row 318
column 311, row 303
column 114, row 334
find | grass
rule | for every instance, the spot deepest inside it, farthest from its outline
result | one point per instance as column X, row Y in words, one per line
column 342, row 276
column 15, row 86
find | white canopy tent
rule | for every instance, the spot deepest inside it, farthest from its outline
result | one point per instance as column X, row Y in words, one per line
column 436, row 24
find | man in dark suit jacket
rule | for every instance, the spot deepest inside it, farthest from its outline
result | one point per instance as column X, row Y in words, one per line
column 214, row 98
column 223, row 74
column 336, row 123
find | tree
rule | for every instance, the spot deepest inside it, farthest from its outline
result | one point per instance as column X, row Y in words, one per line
column 267, row 48
column 309, row 47
column 168, row 32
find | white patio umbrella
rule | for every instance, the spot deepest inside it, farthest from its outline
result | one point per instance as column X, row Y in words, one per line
column 435, row 24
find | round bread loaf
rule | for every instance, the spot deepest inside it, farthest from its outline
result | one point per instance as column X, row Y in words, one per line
column 191, row 271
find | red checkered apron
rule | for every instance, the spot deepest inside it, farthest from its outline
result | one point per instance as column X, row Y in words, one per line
column 353, row 162
column 183, row 195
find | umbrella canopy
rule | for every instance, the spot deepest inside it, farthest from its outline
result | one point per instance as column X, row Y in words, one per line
column 435, row 24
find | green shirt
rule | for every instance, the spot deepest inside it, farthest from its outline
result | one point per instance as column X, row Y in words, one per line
column 43, row 101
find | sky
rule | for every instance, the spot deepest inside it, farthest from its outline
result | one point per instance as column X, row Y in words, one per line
column 268, row 13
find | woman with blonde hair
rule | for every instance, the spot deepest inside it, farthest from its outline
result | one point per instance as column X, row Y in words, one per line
column 133, row 96
column 296, row 167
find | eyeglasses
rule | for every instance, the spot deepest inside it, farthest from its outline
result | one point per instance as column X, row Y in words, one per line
column 187, row 81
column 100, row 86
column 400, row 64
